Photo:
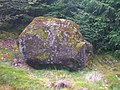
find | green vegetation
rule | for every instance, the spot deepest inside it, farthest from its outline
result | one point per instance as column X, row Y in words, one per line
column 98, row 19
column 43, row 34
column 110, row 70
column 24, row 79
column 80, row 44
column 19, row 79
column 99, row 22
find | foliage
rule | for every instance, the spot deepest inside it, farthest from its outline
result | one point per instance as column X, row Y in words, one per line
column 99, row 20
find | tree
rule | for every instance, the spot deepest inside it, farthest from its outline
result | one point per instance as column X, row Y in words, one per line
column 99, row 20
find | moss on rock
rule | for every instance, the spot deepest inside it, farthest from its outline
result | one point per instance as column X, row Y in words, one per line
column 43, row 34
column 55, row 40
column 43, row 56
column 79, row 45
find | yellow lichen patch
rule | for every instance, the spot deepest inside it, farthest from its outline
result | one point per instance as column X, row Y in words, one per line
column 15, row 47
column 43, row 34
column 28, row 32
column 72, row 37
column 78, row 45
column 1, row 56
column 43, row 56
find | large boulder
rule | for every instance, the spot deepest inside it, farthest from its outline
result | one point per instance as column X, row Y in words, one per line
column 54, row 43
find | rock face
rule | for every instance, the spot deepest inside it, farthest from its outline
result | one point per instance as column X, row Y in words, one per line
column 54, row 43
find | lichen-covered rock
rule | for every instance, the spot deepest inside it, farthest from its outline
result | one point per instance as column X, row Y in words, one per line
column 54, row 43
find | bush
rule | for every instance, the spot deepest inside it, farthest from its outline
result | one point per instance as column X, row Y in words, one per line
column 98, row 19
column 117, row 53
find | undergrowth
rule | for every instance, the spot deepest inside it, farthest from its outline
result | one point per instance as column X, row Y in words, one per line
column 22, row 79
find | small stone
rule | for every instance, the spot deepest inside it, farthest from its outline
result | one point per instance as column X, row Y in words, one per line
column 4, row 60
column 16, row 65
column 94, row 77
column 62, row 84
column 83, row 89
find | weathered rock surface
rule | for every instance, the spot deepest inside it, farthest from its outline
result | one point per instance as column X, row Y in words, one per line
column 54, row 43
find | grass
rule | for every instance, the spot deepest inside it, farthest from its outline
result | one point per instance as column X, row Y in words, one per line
column 110, row 70
column 46, row 79
column 111, row 76
column 21, row 79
